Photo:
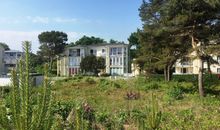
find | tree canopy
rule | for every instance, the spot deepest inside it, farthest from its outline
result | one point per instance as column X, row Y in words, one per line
column 92, row 64
column 177, row 27
column 5, row 46
column 134, row 44
column 85, row 40
column 51, row 44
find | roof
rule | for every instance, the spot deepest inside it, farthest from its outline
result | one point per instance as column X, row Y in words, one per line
column 16, row 51
column 1, row 47
column 99, row 45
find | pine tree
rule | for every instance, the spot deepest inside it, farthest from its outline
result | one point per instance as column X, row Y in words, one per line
column 194, row 20
column 159, row 49
column 198, row 20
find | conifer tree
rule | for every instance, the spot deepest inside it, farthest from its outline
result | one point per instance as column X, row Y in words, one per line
column 198, row 20
column 194, row 20
column 159, row 49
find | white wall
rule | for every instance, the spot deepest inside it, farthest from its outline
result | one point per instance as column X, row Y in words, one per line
column 5, row 81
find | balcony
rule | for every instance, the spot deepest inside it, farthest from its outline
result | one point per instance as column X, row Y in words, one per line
column 184, row 64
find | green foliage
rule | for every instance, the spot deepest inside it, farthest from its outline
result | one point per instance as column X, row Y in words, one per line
column 92, row 64
column 105, row 84
column 89, row 80
column 134, row 45
column 111, row 111
column 85, row 40
column 152, row 120
column 175, row 92
column 5, row 46
column 51, row 44
column 62, row 108
column 151, row 85
column 147, row 84
column 153, row 114
column 112, row 41
column 25, row 113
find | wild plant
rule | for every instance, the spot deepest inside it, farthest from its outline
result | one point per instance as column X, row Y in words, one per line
column 153, row 118
column 25, row 113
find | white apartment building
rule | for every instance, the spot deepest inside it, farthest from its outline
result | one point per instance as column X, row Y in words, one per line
column 1, row 60
column 11, row 58
column 190, row 65
column 115, row 55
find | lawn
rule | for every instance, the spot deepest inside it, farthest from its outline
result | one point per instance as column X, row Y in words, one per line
column 123, row 102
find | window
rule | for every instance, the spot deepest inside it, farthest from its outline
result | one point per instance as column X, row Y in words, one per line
column 125, row 50
column 113, row 63
column 103, row 50
column 121, row 61
column 110, row 61
column 93, row 52
column 184, row 70
column 18, row 55
column 114, row 51
column 119, row 51
column 74, row 53
column 218, row 70
column 117, row 61
column 78, row 52
column 11, row 54
column 218, row 59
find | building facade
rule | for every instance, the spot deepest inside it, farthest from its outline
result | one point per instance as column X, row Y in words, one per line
column 1, row 60
column 190, row 65
column 11, row 58
column 115, row 55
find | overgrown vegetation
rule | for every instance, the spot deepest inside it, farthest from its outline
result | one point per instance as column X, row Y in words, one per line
column 128, row 103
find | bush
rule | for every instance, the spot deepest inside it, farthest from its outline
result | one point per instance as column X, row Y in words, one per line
column 104, row 75
column 89, row 80
column 151, row 85
column 175, row 92
column 104, row 83
column 62, row 108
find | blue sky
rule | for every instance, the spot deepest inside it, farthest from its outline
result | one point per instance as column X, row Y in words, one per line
column 24, row 19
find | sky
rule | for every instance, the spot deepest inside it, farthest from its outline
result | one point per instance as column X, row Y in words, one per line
column 24, row 20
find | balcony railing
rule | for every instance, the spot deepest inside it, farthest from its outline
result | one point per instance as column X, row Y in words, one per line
column 186, row 63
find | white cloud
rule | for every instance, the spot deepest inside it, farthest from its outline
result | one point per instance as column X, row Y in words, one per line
column 46, row 20
column 38, row 19
column 14, row 38
column 7, row 20
column 64, row 20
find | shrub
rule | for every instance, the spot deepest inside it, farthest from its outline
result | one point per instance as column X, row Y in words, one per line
column 104, row 83
column 62, row 108
column 89, row 80
column 153, row 118
column 104, row 75
column 175, row 92
column 151, row 85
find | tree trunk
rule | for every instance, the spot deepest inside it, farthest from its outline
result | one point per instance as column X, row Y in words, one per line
column 200, row 67
column 51, row 64
column 200, row 78
column 165, row 73
column 168, row 73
